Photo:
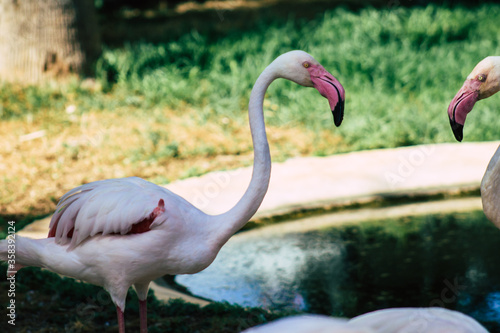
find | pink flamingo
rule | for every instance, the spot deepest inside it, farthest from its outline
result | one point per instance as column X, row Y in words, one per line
column 118, row 233
column 482, row 82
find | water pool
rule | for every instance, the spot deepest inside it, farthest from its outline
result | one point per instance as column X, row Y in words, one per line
column 447, row 260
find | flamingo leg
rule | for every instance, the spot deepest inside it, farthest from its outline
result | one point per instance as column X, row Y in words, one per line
column 142, row 295
column 121, row 320
column 143, row 314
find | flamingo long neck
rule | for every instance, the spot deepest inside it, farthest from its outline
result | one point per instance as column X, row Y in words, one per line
column 233, row 220
column 490, row 189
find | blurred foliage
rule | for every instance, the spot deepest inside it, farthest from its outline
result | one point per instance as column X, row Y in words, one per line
column 116, row 5
column 400, row 68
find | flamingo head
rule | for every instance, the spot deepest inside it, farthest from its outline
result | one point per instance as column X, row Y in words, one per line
column 482, row 82
column 303, row 69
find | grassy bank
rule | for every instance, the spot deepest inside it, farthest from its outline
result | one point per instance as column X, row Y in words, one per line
column 177, row 109
column 47, row 303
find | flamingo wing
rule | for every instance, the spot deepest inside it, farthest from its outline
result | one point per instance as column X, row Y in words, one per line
column 112, row 206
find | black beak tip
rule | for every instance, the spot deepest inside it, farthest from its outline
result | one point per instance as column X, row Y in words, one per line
column 458, row 130
column 338, row 113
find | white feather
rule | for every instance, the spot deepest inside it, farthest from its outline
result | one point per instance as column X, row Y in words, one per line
column 419, row 320
column 105, row 207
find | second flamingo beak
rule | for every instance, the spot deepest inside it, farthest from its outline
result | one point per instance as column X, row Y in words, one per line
column 330, row 88
column 461, row 105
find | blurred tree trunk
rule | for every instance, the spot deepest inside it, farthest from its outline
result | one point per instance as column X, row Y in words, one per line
column 44, row 39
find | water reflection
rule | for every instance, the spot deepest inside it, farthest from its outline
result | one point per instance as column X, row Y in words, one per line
column 445, row 260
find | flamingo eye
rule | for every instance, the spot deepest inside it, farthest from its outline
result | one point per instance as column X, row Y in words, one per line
column 481, row 77
column 306, row 64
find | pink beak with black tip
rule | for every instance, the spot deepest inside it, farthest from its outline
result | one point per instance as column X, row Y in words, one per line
column 330, row 88
column 461, row 105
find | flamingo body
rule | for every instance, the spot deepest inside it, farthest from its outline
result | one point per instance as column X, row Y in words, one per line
column 118, row 233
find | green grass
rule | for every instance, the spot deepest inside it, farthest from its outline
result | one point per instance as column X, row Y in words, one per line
column 179, row 108
column 400, row 68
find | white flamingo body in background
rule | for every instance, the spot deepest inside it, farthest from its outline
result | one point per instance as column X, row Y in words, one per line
column 482, row 82
column 309, row 324
column 397, row 320
column 418, row 320
column 126, row 232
